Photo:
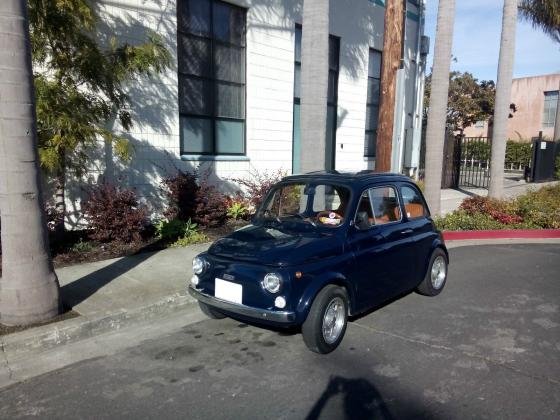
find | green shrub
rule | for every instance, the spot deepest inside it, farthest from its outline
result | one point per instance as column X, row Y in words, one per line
column 179, row 233
column 461, row 220
column 557, row 167
column 190, row 239
column 170, row 230
column 518, row 153
column 541, row 208
column 81, row 246
column 237, row 210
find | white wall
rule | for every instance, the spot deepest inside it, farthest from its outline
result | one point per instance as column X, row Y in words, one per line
column 269, row 88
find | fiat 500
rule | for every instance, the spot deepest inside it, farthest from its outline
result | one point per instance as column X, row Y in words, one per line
column 322, row 247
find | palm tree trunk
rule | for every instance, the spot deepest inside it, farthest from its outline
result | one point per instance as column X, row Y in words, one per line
column 556, row 136
column 437, row 113
column 314, row 84
column 503, row 98
column 29, row 290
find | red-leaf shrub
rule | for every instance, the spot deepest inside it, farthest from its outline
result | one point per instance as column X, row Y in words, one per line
column 258, row 184
column 114, row 214
column 181, row 191
column 211, row 208
column 186, row 199
column 500, row 210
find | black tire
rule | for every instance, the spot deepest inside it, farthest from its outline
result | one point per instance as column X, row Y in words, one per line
column 312, row 329
column 427, row 287
column 210, row 312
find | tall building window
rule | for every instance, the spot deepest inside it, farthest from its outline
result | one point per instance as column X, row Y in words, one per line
column 550, row 104
column 211, row 66
column 372, row 102
column 296, row 134
column 332, row 101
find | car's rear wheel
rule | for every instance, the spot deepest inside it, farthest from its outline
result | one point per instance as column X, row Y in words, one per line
column 436, row 276
column 326, row 322
column 210, row 312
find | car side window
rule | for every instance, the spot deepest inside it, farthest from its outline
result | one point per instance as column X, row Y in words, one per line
column 385, row 205
column 413, row 203
column 364, row 215
column 378, row 206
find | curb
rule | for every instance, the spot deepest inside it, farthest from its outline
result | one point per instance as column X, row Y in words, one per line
column 461, row 235
column 21, row 344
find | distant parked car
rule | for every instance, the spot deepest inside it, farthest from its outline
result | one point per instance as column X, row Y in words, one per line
column 322, row 247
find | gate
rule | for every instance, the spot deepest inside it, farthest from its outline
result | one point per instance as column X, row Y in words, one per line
column 473, row 162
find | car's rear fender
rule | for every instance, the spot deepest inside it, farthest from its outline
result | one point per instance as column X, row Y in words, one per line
column 437, row 243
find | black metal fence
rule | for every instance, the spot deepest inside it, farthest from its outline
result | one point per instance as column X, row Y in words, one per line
column 466, row 160
column 474, row 162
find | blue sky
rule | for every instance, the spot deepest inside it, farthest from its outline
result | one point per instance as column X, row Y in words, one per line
column 476, row 41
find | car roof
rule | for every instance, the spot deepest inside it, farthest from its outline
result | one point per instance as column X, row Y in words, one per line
column 357, row 179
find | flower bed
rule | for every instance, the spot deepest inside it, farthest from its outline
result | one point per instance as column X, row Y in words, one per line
column 534, row 210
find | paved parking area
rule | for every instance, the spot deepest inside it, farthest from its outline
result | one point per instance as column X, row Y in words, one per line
column 487, row 347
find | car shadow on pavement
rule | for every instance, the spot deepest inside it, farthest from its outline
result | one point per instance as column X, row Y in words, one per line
column 360, row 399
column 81, row 289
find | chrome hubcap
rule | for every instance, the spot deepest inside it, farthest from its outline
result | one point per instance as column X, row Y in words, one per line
column 439, row 271
column 333, row 320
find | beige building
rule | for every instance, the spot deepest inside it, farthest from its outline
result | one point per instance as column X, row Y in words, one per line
column 536, row 99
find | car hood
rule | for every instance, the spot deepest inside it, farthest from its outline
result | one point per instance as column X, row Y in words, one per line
column 276, row 246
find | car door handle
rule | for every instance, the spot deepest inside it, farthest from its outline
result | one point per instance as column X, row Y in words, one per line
column 406, row 231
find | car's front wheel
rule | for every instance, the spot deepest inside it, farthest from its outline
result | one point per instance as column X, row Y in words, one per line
column 326, row 322
column 210, row 312
column 436, row 276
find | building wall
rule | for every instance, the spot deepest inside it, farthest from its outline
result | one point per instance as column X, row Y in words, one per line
column 270, row 41
column 527, row 93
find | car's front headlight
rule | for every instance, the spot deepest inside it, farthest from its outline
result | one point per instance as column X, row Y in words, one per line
column 272, row 282
column 198, row 265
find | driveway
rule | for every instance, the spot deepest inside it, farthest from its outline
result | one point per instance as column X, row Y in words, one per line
column 487, row 347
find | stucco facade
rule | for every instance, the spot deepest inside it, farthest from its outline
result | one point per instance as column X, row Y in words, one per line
column 269, row 94
column 528, row 95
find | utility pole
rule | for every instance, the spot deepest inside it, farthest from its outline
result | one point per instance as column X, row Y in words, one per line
column 390, row 63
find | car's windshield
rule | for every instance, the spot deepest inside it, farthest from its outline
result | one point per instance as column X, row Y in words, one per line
column 314, row 204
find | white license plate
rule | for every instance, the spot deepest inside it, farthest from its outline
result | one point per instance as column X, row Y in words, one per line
column 226, row 290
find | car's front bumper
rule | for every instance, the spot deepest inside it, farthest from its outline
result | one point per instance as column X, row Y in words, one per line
column 281, row 317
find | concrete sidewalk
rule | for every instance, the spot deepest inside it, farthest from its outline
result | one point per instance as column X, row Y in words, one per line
column 513, row 187
column 109, row 296
column 121, row 284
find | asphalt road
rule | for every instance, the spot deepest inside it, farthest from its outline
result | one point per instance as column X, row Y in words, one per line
column 487, row 347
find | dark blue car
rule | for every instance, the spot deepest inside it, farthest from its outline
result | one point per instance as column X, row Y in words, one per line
column 322, row 247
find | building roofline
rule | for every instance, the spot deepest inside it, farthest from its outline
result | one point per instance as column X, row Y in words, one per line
column 537, row 76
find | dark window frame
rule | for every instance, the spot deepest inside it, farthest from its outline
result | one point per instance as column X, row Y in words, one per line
column 369, row 130
column 366, row 191
column 549, row 112
column 335, row 71
column 213, row 79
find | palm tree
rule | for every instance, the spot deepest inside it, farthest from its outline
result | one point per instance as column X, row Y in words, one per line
column 543, row 14
column 437, row 113
column 314, row 84
column 29, row 290
column 502, row 101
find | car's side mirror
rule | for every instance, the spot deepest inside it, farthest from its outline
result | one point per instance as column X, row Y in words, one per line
column 362, row 220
